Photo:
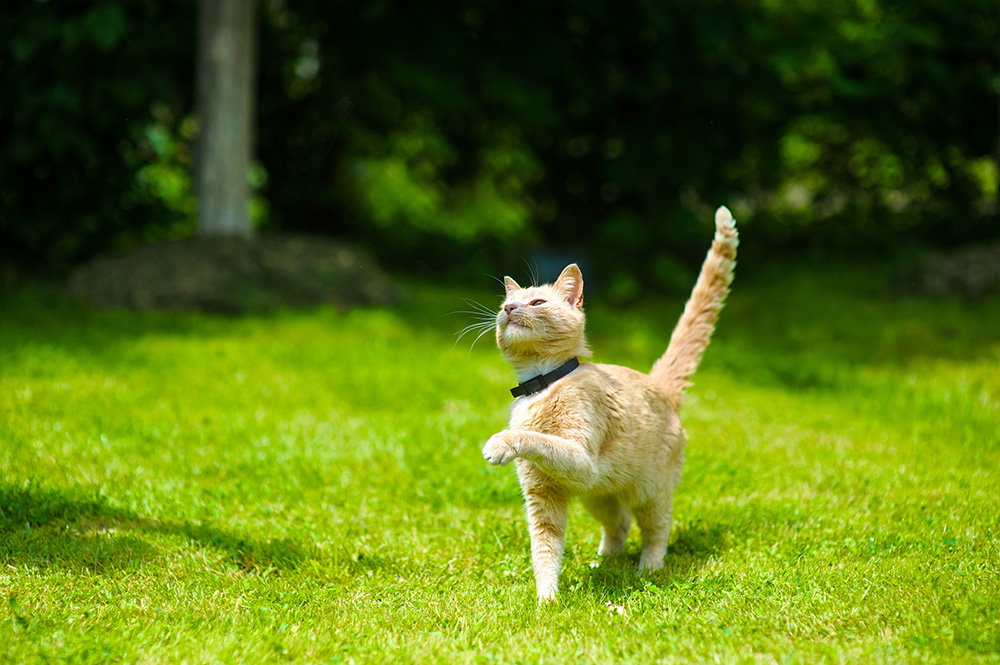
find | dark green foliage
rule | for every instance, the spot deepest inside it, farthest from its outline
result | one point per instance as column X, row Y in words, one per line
column 822, row 123
column 606, row 127
column 79, row 82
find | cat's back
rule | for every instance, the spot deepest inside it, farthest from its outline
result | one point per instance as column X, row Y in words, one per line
column 634, row 393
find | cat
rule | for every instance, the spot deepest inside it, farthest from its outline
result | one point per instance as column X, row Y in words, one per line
column 608, row 434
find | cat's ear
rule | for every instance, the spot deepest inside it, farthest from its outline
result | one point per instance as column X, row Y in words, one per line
column 570, row 285
column 510, row 285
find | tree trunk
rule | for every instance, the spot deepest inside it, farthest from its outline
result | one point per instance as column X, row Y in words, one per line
column 225, row 92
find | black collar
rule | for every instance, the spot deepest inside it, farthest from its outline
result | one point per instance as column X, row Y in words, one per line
column 542, row 381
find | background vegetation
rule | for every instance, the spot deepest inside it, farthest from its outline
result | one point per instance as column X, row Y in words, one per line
column 482, row 130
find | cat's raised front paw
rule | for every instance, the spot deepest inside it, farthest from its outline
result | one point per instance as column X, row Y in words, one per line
column 497, row 451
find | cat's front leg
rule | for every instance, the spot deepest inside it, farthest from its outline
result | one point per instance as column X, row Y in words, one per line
column 563, row 458
column 499, row 449
column 546, row 508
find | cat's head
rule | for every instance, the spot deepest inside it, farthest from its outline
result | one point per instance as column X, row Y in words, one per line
column 543, row 322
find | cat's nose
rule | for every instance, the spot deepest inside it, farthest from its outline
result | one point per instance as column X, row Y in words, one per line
column 510, row 307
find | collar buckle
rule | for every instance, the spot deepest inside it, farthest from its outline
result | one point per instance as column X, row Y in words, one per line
column 538, row 383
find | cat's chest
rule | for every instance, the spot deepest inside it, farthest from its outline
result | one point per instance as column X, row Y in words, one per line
column 526, row 410
column 545, row 411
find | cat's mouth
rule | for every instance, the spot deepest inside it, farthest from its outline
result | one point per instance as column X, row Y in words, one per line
column 512, row 326
column 505, row 320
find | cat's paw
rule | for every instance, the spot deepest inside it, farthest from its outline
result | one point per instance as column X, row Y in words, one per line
column 547, row 598
column 650, row 564
column 497, row 451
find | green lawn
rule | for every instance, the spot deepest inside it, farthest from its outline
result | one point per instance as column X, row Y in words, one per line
column 308, row 487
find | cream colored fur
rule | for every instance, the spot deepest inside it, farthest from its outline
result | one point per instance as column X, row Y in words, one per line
column 608, row 434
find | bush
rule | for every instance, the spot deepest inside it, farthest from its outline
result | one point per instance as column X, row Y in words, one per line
column 618, row 129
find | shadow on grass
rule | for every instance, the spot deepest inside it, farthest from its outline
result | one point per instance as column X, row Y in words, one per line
column 617, row 579
column 49, row 527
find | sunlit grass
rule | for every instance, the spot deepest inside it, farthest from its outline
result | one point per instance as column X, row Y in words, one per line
column 309, row 487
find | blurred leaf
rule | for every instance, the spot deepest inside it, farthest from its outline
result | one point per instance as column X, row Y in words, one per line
column 105, row 23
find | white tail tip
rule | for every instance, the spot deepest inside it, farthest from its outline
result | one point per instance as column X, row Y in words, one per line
column 725, row 226
column 723, row 217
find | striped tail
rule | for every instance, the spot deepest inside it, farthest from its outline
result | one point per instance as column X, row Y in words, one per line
column 694, row 330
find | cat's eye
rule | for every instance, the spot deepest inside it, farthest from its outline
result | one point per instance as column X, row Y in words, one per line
column 535, row 303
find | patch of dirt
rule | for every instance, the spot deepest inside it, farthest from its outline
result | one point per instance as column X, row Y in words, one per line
column 973, row 272
column 233, row 276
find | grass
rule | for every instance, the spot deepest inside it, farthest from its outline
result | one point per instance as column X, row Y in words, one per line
column 308, row 487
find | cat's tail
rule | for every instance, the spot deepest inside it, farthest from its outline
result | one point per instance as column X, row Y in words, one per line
column 694, row 330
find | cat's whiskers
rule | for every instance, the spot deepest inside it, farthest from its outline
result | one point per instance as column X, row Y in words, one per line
column 479, row 310
column 496, row 279
column 486, row 329
column 474, row 327
column 485, row 322
column 532, row 270
column 479, row 316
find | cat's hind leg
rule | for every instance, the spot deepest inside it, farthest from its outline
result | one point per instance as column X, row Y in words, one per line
column 655, row 514
column 654, row 520
column 615, row 520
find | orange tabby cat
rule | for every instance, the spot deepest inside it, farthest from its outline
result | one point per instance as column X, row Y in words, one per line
column 605, row 433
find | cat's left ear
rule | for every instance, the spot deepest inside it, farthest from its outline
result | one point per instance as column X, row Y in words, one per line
column 570, row 284
column 510, row 285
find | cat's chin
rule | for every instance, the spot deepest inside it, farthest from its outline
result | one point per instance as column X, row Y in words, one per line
column 514, row 330
column 516, row 340
column 513, row 338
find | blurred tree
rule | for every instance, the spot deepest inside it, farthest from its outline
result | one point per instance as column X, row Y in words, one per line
column 225, row 100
